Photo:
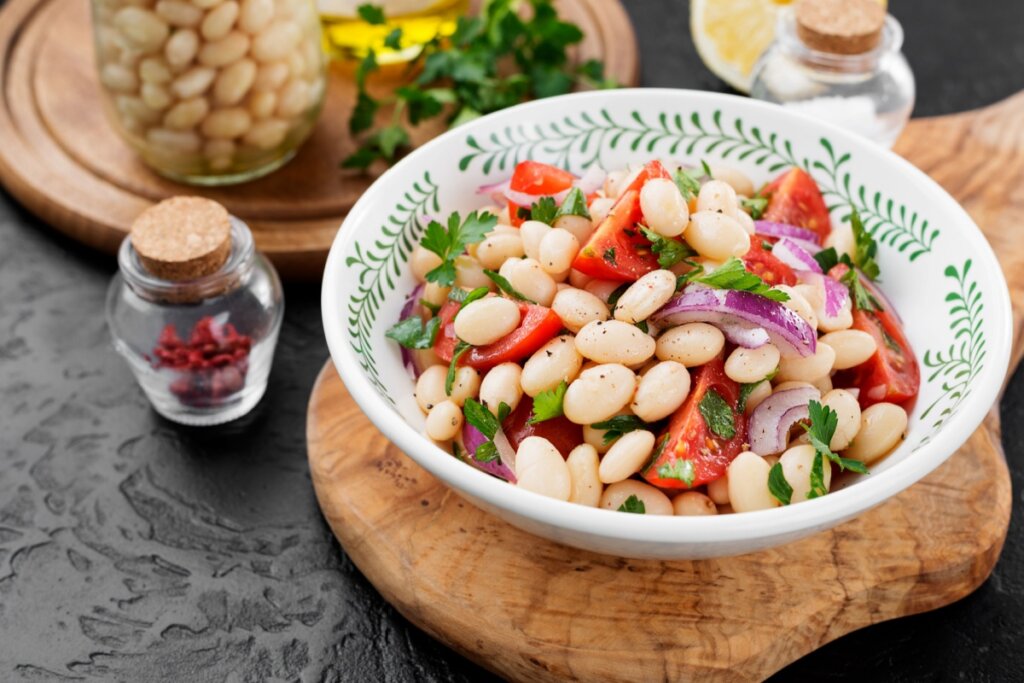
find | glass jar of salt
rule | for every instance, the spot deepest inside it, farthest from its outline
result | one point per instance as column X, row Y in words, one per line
column 839, row 61
column 195, row 311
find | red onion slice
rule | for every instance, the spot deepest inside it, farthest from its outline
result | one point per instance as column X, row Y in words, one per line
column 747, row 336
column 526, row 200
column 504, row 466
column 768, row 429
column 496, row 191
column 795, row 255
column 411, row 304
column 725, row 307
column 773, row 229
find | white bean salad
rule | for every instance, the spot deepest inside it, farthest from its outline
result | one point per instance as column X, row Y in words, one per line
column 659, row 339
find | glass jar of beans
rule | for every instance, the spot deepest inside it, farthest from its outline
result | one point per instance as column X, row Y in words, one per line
column 211, row 92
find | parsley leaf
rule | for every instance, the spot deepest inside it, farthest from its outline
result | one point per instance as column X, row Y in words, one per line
column 544, row 210
column 669, row 251
column 822, row 427
column 609, row 255
column 506, row 286
column 618, row 425
column 616, row 294
column 486, row 452
column 689, row 186
column 827, row 259
column 718, row 416
column 862, row 298
column 733, row 275
column 371, row 14
column 696, row 271
column 413, row 334
column 865, row 247
column 745, row 391
column 634, row 505
column 817, row 477
column 547, row 405
column 755, row 206
column 574, row 204
column 681, row 469
column 433, row 308
column 450, row 243
column 477, row 415
column 449, row 381
column 778, row 486
column 463, row 297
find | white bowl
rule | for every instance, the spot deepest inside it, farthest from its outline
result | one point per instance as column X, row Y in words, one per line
column 937, row 268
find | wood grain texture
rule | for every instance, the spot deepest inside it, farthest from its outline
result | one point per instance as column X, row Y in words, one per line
column 62, row 160
column 530, row 609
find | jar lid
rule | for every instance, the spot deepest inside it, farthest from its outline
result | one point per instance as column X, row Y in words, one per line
column 182, row 238
column 845, row 27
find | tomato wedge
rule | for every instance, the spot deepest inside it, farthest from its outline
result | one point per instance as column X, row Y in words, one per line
column 766, row 266
column 794, row 198
column 563, row 434
column 617, row 250
column 537, row 325
column 689, row 437
column 533, row 177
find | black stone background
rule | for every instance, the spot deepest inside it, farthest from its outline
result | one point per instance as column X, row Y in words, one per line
column 134, row 550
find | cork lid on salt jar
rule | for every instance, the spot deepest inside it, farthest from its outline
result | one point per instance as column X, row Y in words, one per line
column 842, row 27
column 182, row 238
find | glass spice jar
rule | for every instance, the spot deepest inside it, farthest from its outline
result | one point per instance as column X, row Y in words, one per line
column 195, row 311
column 211, row 92
column 839, row 61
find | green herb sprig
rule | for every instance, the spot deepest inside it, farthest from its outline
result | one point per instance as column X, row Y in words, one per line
column 733, row 275
column 450, row 242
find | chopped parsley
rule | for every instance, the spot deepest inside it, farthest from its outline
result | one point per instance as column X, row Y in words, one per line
column 696, row 271
column 669, row 251
column 745, row 391
column 574, row 204
column 450, row 243
column 609, row 255
column 681, row 469
column 778, row 486
column 433, row 308
column 506, row 286
column 547, row 405
column 718, row 416
column 460, row 350
column 733, row 275
column 687, row 182
column 818, row 488
column 755, row 206
column 862, row 298
column 413, row 334
column 463, row 297
column 618, row 425
column 864, row 247
column 642, row 326
column 616, row 294
column 477, row 415
column 544, row 210
column 634, row 505
column 822, row 427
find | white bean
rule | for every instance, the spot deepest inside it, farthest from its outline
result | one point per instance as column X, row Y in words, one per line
column 275, row 42
column 254, row 15
column 599, row 209
column 799, row 304
column 186, row 114
column 841, row 239
column 693, row 504
column 719, row 197
column 262, row 104
column 227, row 123
column 613, row 341
column 179, row 13
column 746, row 221
column 266, row 133
column 219, row 21
column 807, row 368
column 497, row 248
column 602, row 289
column 143, row 29
column 184, row 141
column 716, row 235
column 135, row 108
column 466, row 384
column 219, row 151
column 797, row 463
column 655, row 502
column 234, row 82
column 759, row 393
column 271, row 76
column 691, row 344
column 881, row 429
column 486, row 320
column 626, row 456
column 119, row 78
column 848, row 411
column 444, row 421
column 583, row 471
column 422, row 261
column 501, row 385
column 645, row 296
column 595, row 437
column 852, row 347
column 181, row 48
column 193, row 82
column 751, row 365
column 661, row 391
column 293, row 99
column 599, row 393
column 718, row 490
column 154, row 70
column 579, row 226
column 739, row 181
column 155, row 96
column 470, row 274
column 532, row 232
column 556, row 362
column 430, row 387
column 577, row 308
column 663, row 207
column 557, row 250
column 206, row 4
column 748, row 483
column 541, row 469
column 528, row 278
column 224, row 51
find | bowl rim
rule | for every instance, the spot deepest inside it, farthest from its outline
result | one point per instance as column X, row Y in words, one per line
column 714, row 529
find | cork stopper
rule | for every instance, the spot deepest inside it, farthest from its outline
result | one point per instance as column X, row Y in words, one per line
column 843, row 27
column 182, row 238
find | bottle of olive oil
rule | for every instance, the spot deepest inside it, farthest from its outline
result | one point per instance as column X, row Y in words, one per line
column 347, row 36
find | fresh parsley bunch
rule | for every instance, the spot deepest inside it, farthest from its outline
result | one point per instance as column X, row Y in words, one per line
column 491, row 62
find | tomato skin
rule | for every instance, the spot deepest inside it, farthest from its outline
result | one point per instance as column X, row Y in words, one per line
column 689, row 437
column 794, row 198
column 617, row 250
column 563, row 434
column 766, row 266
column 538, row 325
column 533, row 177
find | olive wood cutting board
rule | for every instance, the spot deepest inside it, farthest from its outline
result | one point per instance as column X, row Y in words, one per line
column 61, row 158
column 533, row 610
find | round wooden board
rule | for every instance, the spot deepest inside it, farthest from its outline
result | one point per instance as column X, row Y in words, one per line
column 533, row 610
column 62, row 160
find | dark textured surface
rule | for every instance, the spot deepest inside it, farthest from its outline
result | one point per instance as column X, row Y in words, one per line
column 133, row 550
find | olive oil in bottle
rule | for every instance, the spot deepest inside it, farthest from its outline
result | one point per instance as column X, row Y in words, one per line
column 347, row 36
